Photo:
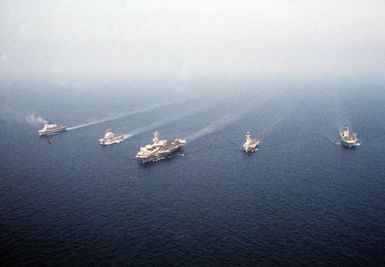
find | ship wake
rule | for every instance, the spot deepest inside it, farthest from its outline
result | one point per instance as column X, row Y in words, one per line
column 161, row 123
column 116, row 117
column 99, row 121
column 215, row 126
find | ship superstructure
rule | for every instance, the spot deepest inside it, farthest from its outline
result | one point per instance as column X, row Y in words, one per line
column 349, row 138
column 250, row 144
column 111, row 138
column 51, row 129
column 159, row 149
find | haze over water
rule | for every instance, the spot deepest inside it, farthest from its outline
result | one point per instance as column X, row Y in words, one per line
column 293, row 74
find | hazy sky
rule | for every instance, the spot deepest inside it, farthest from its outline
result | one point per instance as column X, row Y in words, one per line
column 140, row 38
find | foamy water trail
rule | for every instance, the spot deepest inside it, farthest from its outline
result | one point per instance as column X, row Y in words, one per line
column 161, row 123
column 215, row 126
column 224, row 121
column 342, row 119
column 119, row 116
column 220, row 124
column 35, row 120
column 272, row 124
column 99, row 121
column 276, row 119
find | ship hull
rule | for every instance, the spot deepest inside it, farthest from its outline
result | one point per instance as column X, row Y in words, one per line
column 52, row 132
column 349, row 144
column 110, row 142
column 160, row 155
column 250, row 148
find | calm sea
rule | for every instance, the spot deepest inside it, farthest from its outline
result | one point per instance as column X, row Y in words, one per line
column 301, row 200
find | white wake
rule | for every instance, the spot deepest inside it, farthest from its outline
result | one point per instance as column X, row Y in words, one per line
column 99, row 121
column 115, row 117
column 215, row 126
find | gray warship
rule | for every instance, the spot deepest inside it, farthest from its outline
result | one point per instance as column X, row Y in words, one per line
column 159, row 149
column 111, row 138
column 250, row 144
column 349, row 138
column 51, row 129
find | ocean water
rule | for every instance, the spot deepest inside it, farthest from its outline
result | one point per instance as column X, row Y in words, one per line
column 301, row 200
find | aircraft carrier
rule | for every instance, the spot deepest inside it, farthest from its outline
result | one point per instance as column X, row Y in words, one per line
column 111, row 138
column 159, row 149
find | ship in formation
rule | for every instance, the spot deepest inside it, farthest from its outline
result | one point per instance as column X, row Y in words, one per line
column 349, row 138
column 159, row 149
column 111, row 138
column 251, row 144
column 51, row 129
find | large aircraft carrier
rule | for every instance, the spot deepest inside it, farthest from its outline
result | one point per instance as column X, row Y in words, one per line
column 159, row 149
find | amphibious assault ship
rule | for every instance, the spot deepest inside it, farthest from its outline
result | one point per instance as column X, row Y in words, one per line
column 159, row 149
column 51, row 129
column 111, row 138
column 250, row 144
column 349, row 138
